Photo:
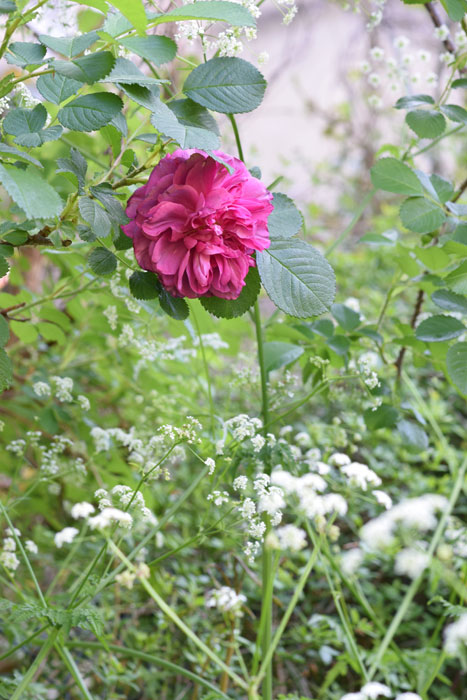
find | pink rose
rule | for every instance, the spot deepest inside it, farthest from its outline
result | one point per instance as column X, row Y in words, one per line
column 197, row 226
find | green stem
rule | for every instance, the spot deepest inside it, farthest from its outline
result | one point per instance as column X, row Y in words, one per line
column 355, row 219
column 32, row 670
column 206, row 368
column 266, row 612
column 172, row 615
column 74, row 670
column 262, row 368
column 32, row 636
column 286, row 617
column 149, row 658
column 237, row 137
column 414, row 586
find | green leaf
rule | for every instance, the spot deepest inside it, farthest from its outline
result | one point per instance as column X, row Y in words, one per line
column 102, row 261
column 285, row 220
column 69, row 46
column 6, row 370
column 426, row 123
column 52, row 133
column 390, row 175
column 456, row 9
column 125, row 72
column 411, row 101
column 455, row 113
column 23, row 53
column 144, row 285
column 16, row 238
column 456, row 363
column 25, row 121
column 383, row 416
column 457, row 279
column 339, row 344
column 433, row 257
column 176, row 307
column 439, row 328
column 57, row 88
column 227, row 85
column 278, row 355
column 420, row 215
column 450, row 301
column 7, row 6
column 231, row 308
column 298, row 279
column 95, row 216
column 11, row 152
column 90, row 112
column 414, row 437
column 4, row 267
column 86, row 234
column 157, row 49
column 77, row 165
column 4, row 331
column 347, row 318
column 189, row 124
column 444, row 189
column 215, row 10
column 106, row 196
column 459, row 83
column 87, row 69
column 134, row 11
column 31, row 192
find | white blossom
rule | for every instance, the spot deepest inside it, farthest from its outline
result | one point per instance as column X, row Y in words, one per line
column 374, row 689
column 240, row 483
column 408, row 696
column 83, row 402
column 63, row 388
column 383, row 498
column 65, row 536
column 31, row 546
column 351, row 560
column 455, row 636
column 225, row 599
column 9, row 544
column 9, row 560
column 291, row 537
column 41, row 389
column 108, row 516
column 441, row 32
column 411, row 562
column 82, row 510
column 209, row 462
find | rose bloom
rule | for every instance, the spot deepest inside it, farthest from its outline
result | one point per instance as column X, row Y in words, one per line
column 197, row 226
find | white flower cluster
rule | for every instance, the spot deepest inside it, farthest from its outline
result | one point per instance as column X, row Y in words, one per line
column 122, row 495
column 374, row 690
column 455, row 636
column 63, row 387
column 8, row 558
column 225, row 599
column 110, row 516
column 127, row 578
column 211, row 340
column 26, row 99
column 65, row 536
column 413, row 514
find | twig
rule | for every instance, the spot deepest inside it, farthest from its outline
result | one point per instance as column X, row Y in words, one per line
column 433, row 12
column 416, row 312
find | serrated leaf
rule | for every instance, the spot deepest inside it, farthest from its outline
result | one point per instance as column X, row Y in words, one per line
column 232, row 308
column 24, row 53
column 298, row 279
column 4, row 267
column 4, row 331
column 69, row 46
column 457, row 279
column 90, row 112
column 339, row 344
column 25, row 121
column 176, row 307
column 439, row 328
column 57, row 88
column 102, row 261
column 31, row 192
column 134, row 11
column 450, row 301
column 144, row 285
column 6, row 370
column 52, row 133
column 383, row 416
column 411, row 101
column 106, row 196
column 390, row 175
column 456, row 363
column 193, row 126
column 125, row 72
column 157, row 49
column 16, row 237
column 95, row 216
column 285, row 220
column 86, row 233
column 215, row 10
column 77, row 165
column 278, row 355
column 426, row 123
column 11, row 152
column 347, row 318
column 455, row 113
column 226, row 85
column 420, row 215
column 87, row 69
column 7, row 6
column 444, row 189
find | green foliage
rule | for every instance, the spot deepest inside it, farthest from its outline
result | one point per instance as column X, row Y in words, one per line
column 102, row 261
column 227, row 85
column 456, row 361
column 285, row 220
column 30, row 192
column 392, row 175
column 439, row 328
column 90, row 112
column 144, row 285
column 426, row 123
column 232, row 308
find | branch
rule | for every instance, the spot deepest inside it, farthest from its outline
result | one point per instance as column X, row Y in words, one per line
column 413, row 321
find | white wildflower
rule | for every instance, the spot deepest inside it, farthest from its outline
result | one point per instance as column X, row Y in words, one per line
column 63, row 388
column 408, row 696
column 258, row 442
column 65, row 536
column 225, row 599
column 9, row 544
column 303, row 439
column 272, row 501
column 441, row 32
column 101, row 439
column 126, row 579
column 108, row 516
column 240, row 483
column 218, row 497
column 83, row 402
column 82, row 510
column 209, row 462
column 248, row 508
column 455, row 636
column 9, row 560
column 339, row 459
column 31, row 546
column 383, row 498
column 360, row 475
column 401, row 42
column 42, row 389
column 411, row 562
column 112, row 316
column 263, row 58
column 373, row 690
column 291, row 537
column 377, row 53
column 351, row 561
column 257, row 530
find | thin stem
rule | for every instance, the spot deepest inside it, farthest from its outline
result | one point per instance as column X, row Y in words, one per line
column 266, row 612
column 172, row 615
column 206, row 368
column 355, row 219
column 74, row 670
column 287, row 615
column 262, row 368
column 34, row 667
column 32, row 636
column 149, row 658
column 237, row 137
column 414, row 586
